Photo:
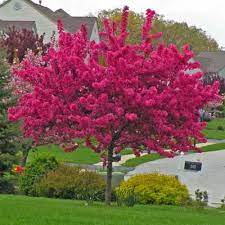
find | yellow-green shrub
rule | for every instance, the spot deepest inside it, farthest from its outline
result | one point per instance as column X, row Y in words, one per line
column 153, row 189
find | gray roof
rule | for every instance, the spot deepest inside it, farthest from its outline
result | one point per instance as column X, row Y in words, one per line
column 71, row 24
column 19, row 25
column 61, row 13
column 212, row 62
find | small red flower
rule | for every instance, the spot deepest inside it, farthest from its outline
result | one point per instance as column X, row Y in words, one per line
column 18, row 169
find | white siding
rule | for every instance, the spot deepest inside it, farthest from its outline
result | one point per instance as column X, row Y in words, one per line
column 28, row 13
column 222, row 73
column 95, row 34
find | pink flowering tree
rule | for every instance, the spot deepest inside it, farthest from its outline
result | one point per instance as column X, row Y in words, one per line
column 117, row 94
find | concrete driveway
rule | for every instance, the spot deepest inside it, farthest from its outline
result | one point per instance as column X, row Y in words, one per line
column 210, row 179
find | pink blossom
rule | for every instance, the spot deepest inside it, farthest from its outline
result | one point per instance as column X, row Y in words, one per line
column 131, row 116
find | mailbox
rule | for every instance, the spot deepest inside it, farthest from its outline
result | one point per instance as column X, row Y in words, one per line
column 117, row 158
column 194, row 166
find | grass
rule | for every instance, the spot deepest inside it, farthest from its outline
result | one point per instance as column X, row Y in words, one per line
column 212, row 125
column 127, row 152
column 214, row 147
column 212, row 132
column 143, row 159
column 19, row 210
column 82, row 155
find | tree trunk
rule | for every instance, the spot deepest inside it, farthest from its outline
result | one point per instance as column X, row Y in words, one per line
column 108, row 193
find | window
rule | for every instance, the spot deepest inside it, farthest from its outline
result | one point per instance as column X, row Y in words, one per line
column 17, row 6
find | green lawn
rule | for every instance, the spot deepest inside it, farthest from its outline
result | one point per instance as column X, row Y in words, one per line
column 127, row 152
column 211, row 131
column 143, row 159
column 214, row 147
column 18, row 210
column 83, row 155
column 212, row 125
column 214, row 134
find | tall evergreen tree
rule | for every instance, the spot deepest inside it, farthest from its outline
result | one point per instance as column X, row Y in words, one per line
column 7, row 129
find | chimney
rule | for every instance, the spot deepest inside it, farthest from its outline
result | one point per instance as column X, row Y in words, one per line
column 40, row 2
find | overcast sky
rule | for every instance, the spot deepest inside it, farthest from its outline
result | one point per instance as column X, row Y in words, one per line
column 206, row 14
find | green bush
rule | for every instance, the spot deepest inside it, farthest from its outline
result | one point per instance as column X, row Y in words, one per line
column 6, row 185
column 33, row 173
column 7, row 180
column 72, row 183
column 152, row 189
column 220, row 127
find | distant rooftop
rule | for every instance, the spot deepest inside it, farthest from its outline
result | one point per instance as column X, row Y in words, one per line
column 71, row 23
column 212, row 62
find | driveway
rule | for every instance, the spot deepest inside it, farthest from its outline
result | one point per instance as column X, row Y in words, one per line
column 210, row 179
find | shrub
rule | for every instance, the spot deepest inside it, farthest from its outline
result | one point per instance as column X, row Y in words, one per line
column 201, row 199
column 72, row 183
column 33, row 173
column 220, row 127
column 153, row 189
column 6, row 185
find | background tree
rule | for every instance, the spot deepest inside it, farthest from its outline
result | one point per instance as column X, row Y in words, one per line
column 120, row 95
column 17, row 42
column 212, row 78
column 173, row 32
column 8, row 147
column 135, row 22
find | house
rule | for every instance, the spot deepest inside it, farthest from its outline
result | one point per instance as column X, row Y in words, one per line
column 212, row 63
column 40, row 19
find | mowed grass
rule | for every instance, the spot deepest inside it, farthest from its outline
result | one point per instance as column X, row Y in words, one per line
column 127, row 152
column 82, row 155
column 213, row 125
column 214, row 147
column 212, row 132
column 143, row 159
column 19, row 210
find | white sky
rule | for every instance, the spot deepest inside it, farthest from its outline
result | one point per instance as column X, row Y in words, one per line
column 206, row 14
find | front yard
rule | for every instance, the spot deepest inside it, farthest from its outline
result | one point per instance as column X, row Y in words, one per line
column 18, row 210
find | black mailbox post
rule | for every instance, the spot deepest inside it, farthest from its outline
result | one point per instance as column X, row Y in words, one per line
column 193, row 166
